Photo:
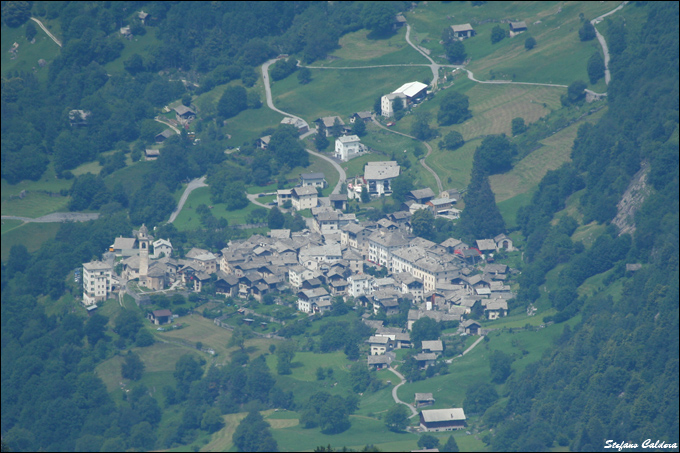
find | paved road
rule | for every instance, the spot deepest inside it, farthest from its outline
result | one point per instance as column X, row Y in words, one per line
column 56, row 41
column 472, row 346
column 268, row 91
column 57, row 217
column 414, row 412
column 422, row 161
column 193, row 185
column 343, row 175
column 433, row 66
column 603, row 43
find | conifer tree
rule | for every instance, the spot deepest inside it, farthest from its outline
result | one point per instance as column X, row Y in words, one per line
column 481, row 218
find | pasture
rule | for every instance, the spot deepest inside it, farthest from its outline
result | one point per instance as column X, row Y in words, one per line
column 340, row 91
column 559, row 57
column 28, row 53
column 357, row 49
column 140, row 45
column 189, row 220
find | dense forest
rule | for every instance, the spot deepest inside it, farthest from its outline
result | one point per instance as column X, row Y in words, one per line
column 615, row 374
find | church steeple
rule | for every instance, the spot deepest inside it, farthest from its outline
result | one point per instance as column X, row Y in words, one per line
column 143, row 239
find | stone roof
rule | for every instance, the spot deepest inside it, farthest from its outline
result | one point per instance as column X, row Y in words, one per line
column 422, row 193
column 124, row 243
column 381, row 170
column 462, row 27
column 316, row 175
column 424, row 397
column 486, row 244
column 434, row 345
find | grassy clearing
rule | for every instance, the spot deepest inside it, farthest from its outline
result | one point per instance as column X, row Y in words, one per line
column 32, row 235
column 559, row 56
column 454, row 167
column 189, row 220
column 27, row 54
column 141, row 45
column 509, row 207
column 222, row 439
column 340, row 92
column 9, row 225
column 37, row 202
column 247, row 125
column 595, row 285
column 588, row 233
column 197, row 328
column 528, row 172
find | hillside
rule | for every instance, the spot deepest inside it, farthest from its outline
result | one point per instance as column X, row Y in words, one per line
column 585, row 185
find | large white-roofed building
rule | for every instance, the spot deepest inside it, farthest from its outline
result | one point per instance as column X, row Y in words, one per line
column 379, row 176
column 406, row 94
column 434, row 420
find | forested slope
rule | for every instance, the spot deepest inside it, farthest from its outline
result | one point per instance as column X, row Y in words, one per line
column 615, row 375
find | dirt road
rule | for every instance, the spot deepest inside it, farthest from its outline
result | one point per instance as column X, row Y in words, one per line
column 56, row 217
column 54, row 38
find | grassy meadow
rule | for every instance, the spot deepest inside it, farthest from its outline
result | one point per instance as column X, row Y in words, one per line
column 28, row 53
column 559, row 57
column 340, row 92
column 31, row 235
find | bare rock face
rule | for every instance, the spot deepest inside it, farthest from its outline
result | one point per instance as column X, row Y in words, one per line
column 632, row 199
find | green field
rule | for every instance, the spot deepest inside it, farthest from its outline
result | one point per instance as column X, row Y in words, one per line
column 528, row 172
column 141, row 45
column 27, row 54
column 32, row 235
column 189, row 220
column 340, row 92
column 559, row 57
column 356, row 49
column 453, row 167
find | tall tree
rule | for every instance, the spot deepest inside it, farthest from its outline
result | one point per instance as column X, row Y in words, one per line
column 253, row 434
column 481, row 218
column 497, row 34
column 454, row 109
column 233, row 101
column 396, row 418
column 596, row 68
column 133, row 367
column 422, row 224
column 450, row 445
column 455, row 51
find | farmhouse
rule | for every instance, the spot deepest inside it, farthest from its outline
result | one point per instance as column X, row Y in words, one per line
column 434, row 420
column 463, row 31
column 298, row 123
column 363, row 116
column 327, row 122
column 378, row 362
column 348, row 147
column 184, row 114
column 263, row 142
column 407, row 94
column 151, row 154
column 160, row 138
column 421, row 196
column 471, row 327
column 517, row 27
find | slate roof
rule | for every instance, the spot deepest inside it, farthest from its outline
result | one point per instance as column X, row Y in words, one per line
column 381, row 170
column 442, row 415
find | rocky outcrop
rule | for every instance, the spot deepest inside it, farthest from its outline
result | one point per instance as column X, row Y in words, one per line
column 632, row 199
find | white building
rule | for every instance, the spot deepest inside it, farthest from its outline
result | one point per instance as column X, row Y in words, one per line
column 162, row 246
column 360, row 285
column 97, row 282
column 347, row 147
column 379, row 176
column 407, row 93
column 382, row 244
column 300, row 197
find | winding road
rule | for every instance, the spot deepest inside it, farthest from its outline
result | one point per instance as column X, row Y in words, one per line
column 193, row 185
column 414, row 412
column 603, row 43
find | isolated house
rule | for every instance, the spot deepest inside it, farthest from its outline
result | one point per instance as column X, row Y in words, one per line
column 263, row 142
column 434, row 420
column 407, row 94
column 471, row 327
column 424, row 399
column 517, row 27
column 160, row 317
column 378, row 362
column 78, row 117
column 363, row 116
column 298, row 123
column 463, row 31
column 151, row 154
column 328, row 122
column 184, row 113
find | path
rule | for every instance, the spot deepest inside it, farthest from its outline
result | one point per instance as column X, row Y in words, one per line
column 433, row 66
column 481, row 337
column 499, row 82
column 603, row 43
column 268, row 91
column 422, row 161
column 414, row 412
column 167, row 123
column 56, row 41
column 57, row 217
column 193, row 185
column 343, row 175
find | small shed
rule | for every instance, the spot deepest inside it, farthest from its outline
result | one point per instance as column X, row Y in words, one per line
column 471, row 327
column 517, row 27
column 424, row 399
column 160, row 138
column 463, row 31
column 160, row 317
column 151, row 154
